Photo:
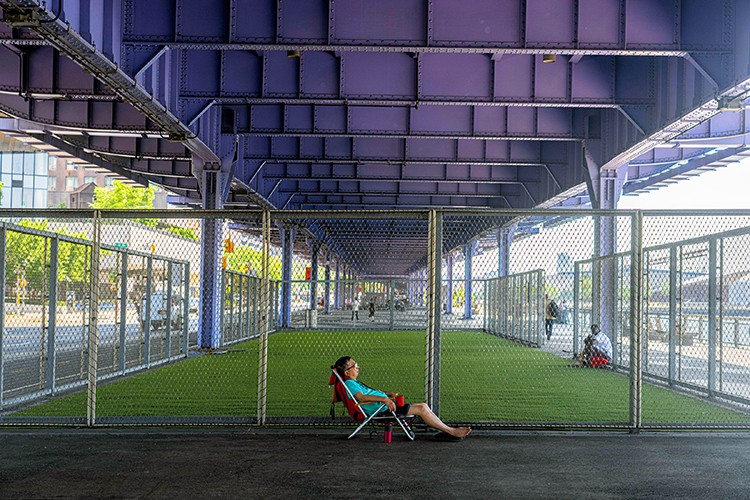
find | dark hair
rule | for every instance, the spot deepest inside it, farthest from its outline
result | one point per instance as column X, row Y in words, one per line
column 341, row 363
column 595, row 327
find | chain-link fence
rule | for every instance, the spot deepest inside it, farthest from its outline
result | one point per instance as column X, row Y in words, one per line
column 235, row 317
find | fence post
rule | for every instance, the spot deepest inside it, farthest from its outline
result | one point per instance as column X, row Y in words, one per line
column 391, row 301
column 636, row 282
column 576, row 306
column 255, row 290
column 93, row 320
column 222, row 302
column 186, row 312
column 168, row 321
column 434, row 276
column 123, row 310
column 484, row 304
column 672, row 365
column 147, row 313
column 711, row 316
column 248, row 305
column 540, row 335
column 51, row 330
column 264, row 318
column 2, row 310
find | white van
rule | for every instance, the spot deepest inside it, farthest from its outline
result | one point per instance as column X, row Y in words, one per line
column 158, row 311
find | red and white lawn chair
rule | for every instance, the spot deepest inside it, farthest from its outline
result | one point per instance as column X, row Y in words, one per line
column 381, row 417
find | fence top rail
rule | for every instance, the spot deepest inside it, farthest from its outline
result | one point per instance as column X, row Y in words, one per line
column 627, row 253
column 138, row 253
column 257, row 213
column 712, row 212
column 18, row 228
column 46, row 213
column 742, row 231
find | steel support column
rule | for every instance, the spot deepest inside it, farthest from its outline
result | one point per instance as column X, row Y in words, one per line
column 287, row 250
column 469, row 249
column 337, row 287
column 327, row 303
column 449, row 288
column 314, row 250
column 214, row 180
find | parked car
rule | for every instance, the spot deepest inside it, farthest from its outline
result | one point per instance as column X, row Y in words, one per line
column 158, row 311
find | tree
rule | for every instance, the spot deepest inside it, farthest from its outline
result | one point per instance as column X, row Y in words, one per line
column 123, row 197
column 246, row 259
column 28, row 255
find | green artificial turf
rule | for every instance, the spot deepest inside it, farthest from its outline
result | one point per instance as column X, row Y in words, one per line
column 483, row 379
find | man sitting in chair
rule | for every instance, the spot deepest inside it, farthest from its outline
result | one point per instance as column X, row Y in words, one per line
column 349, row 371
column 596, row 348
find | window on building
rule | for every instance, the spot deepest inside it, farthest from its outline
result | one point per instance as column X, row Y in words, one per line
column 109, row 181
column 89, row 179
column 71, row 183
column 52, row 183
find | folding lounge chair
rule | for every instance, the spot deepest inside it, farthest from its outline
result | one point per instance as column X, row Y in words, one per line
column 380, row 417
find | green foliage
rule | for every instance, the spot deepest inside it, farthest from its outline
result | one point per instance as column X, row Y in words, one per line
column 246, row 259
column 1, row 191
column 183, row 231
column 29, row 254
column 587, row 287
column 123, row 197
column 551, row 290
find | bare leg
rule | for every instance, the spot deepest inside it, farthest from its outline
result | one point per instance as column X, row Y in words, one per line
column 423, row 411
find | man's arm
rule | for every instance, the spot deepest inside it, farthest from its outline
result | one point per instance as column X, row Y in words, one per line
column 376, row 399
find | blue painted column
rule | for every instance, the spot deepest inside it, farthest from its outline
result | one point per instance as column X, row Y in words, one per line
column 605, row 188
column 287, row 250
column 449, row 287
column 314, row 250
column 468, row 257
column 337, row 287
column 327, row 303
column 214, row 184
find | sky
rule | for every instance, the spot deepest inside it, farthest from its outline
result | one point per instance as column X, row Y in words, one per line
column 727, row 187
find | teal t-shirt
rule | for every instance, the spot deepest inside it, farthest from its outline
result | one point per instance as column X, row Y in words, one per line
column 355, row 387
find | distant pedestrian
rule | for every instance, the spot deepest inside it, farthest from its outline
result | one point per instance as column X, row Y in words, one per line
column 371, row 308
column 355, row 308
column 551, row 312
column 563, row 318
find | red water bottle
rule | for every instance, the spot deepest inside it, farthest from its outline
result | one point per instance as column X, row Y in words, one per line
column 388, row 434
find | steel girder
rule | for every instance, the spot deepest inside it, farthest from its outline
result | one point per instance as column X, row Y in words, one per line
column 305, row 70
column 395, row 103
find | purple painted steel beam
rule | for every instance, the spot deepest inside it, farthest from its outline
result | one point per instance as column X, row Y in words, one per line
column 346, row 150
column 563, row 24
column 397, row 79
column 398, row 172
column 82, row 49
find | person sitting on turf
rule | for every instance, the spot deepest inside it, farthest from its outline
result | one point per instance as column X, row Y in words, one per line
column 596, row 345
column 349, row 371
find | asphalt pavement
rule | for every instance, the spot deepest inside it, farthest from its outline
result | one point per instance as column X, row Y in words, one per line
column 321, row 463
